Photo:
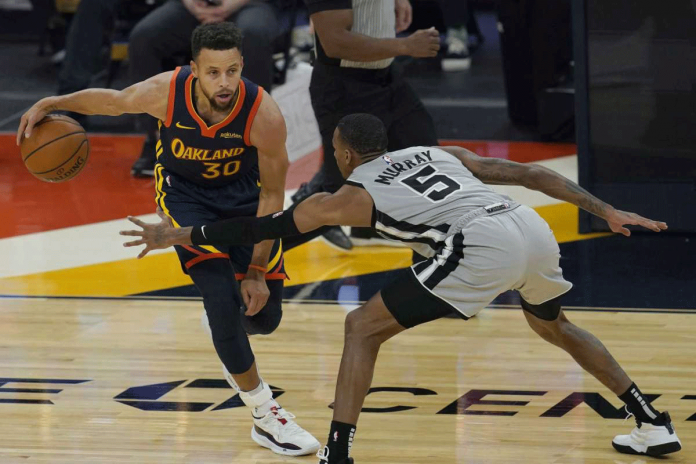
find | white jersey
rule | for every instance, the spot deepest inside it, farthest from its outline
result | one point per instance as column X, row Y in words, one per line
column 420, row 193
column 373, row 18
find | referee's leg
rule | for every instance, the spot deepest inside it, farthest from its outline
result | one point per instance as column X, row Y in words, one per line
column 412, row 124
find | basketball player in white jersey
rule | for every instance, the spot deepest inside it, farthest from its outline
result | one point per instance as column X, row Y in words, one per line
column 478, row 243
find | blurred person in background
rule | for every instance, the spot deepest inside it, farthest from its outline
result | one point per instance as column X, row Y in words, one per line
column 166, row 31
column 355, row 46
column 83, row 45
column 456, row 16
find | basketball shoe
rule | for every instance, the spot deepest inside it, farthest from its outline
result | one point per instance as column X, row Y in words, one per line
column 275, row 428
column 323, row 456
column 649, row 439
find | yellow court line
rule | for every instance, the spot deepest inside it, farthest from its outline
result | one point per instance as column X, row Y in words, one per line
column 311, row 262
column 563, row 220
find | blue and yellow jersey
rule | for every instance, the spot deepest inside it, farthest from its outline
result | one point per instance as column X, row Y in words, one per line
column 210, row 156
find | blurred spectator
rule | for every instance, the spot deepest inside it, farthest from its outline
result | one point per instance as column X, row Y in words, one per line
column 84, row 42
column 167, row 31
column 456, row 16
column 354, row 73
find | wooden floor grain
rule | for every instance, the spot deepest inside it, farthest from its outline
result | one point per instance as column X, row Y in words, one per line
column 116, row 345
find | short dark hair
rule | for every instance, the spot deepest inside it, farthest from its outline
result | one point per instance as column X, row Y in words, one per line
column 364, row 133
column 217, row 36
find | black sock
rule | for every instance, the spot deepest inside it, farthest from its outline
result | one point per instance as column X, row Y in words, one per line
column 639, row 405
column 340, row 441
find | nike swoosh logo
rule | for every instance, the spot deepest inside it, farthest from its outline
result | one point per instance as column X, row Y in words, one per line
column 258, row 183
column 178, row 124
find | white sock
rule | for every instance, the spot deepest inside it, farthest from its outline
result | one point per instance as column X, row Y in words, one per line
column 256, row 390
column 260, row 399
column 265, row 408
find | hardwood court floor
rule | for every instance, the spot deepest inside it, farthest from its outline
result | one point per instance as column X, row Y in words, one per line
column 107, row 348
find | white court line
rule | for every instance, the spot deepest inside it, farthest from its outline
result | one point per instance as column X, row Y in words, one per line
column 566, row 166
column 100, row 243
column 90, row 244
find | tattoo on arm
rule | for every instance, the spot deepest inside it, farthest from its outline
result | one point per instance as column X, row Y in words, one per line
column 586, row 200
column 503, row 172
column 500, row 171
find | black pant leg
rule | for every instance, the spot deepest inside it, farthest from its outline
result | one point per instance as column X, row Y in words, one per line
column 412, row 125
column 215, row 279
column 161, row 34
column 455, row 13
column 328, row 102
column 83, row 43
column 259, row 24
column 336, row 93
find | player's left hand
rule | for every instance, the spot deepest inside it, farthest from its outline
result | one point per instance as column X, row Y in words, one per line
column 255, row 293
column 404, row 15
column 153, row 236
column 617, row 219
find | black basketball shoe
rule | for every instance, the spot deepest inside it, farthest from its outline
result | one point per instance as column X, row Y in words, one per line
column 323, row 456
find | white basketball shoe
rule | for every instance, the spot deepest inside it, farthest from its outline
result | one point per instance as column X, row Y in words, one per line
column 275, row 428
column 649, row 439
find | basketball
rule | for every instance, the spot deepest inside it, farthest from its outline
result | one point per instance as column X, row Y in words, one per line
column 57, row 149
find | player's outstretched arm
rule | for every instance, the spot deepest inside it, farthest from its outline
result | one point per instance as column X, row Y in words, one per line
column 535, row 177
column 350, row 206
column 149, row 96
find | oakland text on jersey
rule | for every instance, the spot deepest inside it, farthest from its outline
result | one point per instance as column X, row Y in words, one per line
column 210, row 155
column 181, row 151
column 395, row 169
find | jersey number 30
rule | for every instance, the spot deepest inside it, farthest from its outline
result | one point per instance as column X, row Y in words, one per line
column 212, row 170
column 428, row 182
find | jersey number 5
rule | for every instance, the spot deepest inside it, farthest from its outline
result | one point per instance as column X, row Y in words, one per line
column 213, row 169
column 426, row 181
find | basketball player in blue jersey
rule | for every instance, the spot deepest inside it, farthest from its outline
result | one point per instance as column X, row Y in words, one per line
column 221, row 155
column 479, row 244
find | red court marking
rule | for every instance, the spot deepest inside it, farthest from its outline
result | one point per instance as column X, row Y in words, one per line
column 105, row 190
column 304, row 168
column 521, row 152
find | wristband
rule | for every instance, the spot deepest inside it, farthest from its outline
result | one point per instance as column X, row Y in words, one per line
column 246, row 230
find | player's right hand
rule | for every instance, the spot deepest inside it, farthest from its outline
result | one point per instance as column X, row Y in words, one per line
column 154, row 236
column 617, row 219
column 423, row 43
column 33, row 115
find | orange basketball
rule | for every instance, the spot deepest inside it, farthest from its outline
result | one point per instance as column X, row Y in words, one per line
column 57, row 149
